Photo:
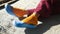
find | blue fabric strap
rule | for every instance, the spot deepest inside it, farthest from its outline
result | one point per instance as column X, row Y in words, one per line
column 9, row 9
column 22, row 24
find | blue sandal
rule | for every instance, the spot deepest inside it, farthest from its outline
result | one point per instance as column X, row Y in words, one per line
column 23, row 25
column 9, row 9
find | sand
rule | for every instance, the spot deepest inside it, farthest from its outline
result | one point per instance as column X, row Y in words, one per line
column 51, row 26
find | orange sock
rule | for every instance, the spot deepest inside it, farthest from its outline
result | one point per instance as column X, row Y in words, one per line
column 32, row 19
column 19, row 12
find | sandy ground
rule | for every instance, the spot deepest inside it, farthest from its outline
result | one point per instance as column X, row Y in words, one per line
column 50, row 25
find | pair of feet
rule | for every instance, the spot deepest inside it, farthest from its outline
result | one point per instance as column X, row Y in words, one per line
column 18, row 23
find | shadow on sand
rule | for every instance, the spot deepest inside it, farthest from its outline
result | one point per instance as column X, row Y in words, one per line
column 47, row 23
